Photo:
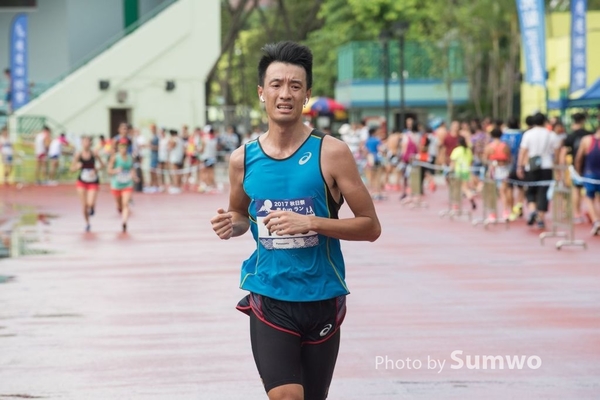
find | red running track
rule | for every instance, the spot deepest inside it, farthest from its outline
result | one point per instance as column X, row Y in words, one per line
column 150, row 314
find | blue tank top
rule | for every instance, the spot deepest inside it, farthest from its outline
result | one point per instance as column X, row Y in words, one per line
column 303, row 267
column 513, row 137
column 592, row 159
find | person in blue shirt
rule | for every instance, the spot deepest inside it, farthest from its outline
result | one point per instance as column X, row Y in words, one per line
column 512, row 136
column 286, row 188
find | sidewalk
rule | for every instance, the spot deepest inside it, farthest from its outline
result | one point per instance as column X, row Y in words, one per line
column 150, row 314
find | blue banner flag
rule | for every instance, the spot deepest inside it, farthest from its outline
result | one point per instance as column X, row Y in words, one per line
column 578, row 45
column 19, row 82
column 532, row 19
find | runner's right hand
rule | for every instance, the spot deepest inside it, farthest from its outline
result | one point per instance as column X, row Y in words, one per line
column 222, row 224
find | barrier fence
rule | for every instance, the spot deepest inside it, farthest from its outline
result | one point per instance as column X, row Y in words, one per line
column 561, row 202
column 455, row 203
column 489, row 194
column 562, row 219
column 415, row 181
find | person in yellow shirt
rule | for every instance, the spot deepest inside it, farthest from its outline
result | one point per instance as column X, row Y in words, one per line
column 461, row 160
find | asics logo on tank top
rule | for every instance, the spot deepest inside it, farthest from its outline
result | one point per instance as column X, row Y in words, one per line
column 305, row 158
column 325, row 330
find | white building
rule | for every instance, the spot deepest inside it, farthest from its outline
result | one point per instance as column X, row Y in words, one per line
column 155, row 74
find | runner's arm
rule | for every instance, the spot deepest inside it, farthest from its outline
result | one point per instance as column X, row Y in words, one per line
column 581, row 153
column 75, row 164
column 235, row 221
column 111, row 165
column 99, row 159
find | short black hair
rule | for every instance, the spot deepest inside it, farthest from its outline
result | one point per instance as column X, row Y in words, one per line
column 578, row 118
column 288, row 53
column 529, row 120
column 496, row 133
column 513, row 123
column 539, row 119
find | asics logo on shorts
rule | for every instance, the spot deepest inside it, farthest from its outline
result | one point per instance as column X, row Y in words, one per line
column 325, row 330
column 305, row 158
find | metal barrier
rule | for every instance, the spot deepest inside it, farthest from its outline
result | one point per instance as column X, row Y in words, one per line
column 489, row 195
column 455, row 206
column 415, row 180
column 562, row 219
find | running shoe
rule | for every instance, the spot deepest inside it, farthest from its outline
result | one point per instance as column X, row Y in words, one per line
column 596, row 228
column 88, row 227
column 92, row 211
column 541, row 225
column 532, row 218
column 124, row 228
column 473, row 205
column 491, row 218
column 518, row 210
column 513, row 217
column 506, row 216
column 432, row 185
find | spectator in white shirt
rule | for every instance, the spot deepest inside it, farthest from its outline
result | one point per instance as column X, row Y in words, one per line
column 539, row 149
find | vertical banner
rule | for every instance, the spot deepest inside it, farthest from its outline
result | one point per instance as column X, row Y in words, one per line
column 578, row 45
column 18, row 62
column 532, row 20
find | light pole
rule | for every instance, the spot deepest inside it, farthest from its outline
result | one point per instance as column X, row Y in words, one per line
column 400, row 29
column 385, row 37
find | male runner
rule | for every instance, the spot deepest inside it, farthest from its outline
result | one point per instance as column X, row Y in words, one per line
column 287, row 187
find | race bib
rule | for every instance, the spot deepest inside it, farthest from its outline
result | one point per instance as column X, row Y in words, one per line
column 124, row 177
column 272, row 240
column 88, row 175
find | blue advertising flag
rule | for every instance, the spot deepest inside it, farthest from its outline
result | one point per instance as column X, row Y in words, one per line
column 19, row 82
column 578, row 45
column 532, row 20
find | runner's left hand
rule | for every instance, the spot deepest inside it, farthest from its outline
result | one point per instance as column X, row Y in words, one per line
column 287, row 223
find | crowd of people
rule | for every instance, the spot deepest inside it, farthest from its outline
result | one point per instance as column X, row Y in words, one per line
column 163, row 160
column 525, row 163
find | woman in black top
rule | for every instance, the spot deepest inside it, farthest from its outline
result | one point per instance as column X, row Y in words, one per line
column 88, row 181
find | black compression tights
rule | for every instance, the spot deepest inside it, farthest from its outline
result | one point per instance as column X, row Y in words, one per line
column 281, row 359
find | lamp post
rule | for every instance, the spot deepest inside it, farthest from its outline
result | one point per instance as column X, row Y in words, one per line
column 400, row 29
column 385, row 37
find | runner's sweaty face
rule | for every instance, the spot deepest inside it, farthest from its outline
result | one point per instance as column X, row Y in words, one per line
column 284, row 92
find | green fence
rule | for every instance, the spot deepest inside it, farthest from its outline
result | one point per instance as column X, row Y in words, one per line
column 364, row 60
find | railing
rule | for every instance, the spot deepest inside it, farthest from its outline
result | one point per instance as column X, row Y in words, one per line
column 29, row 125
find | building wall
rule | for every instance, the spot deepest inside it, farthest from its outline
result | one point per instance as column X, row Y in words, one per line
column 63, row 33
column 181, row 44
column 558, row 58
column 146, row 6
column 91, row 24
column 422, row 96
column 48, row 40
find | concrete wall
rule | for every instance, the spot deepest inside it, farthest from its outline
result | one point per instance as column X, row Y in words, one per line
column 426, row 98
column 417, row 92
column 48, row 40
column 91, row 24
column 558, row 59
column 145, row 6
column 179, row 44
column 62, row 33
